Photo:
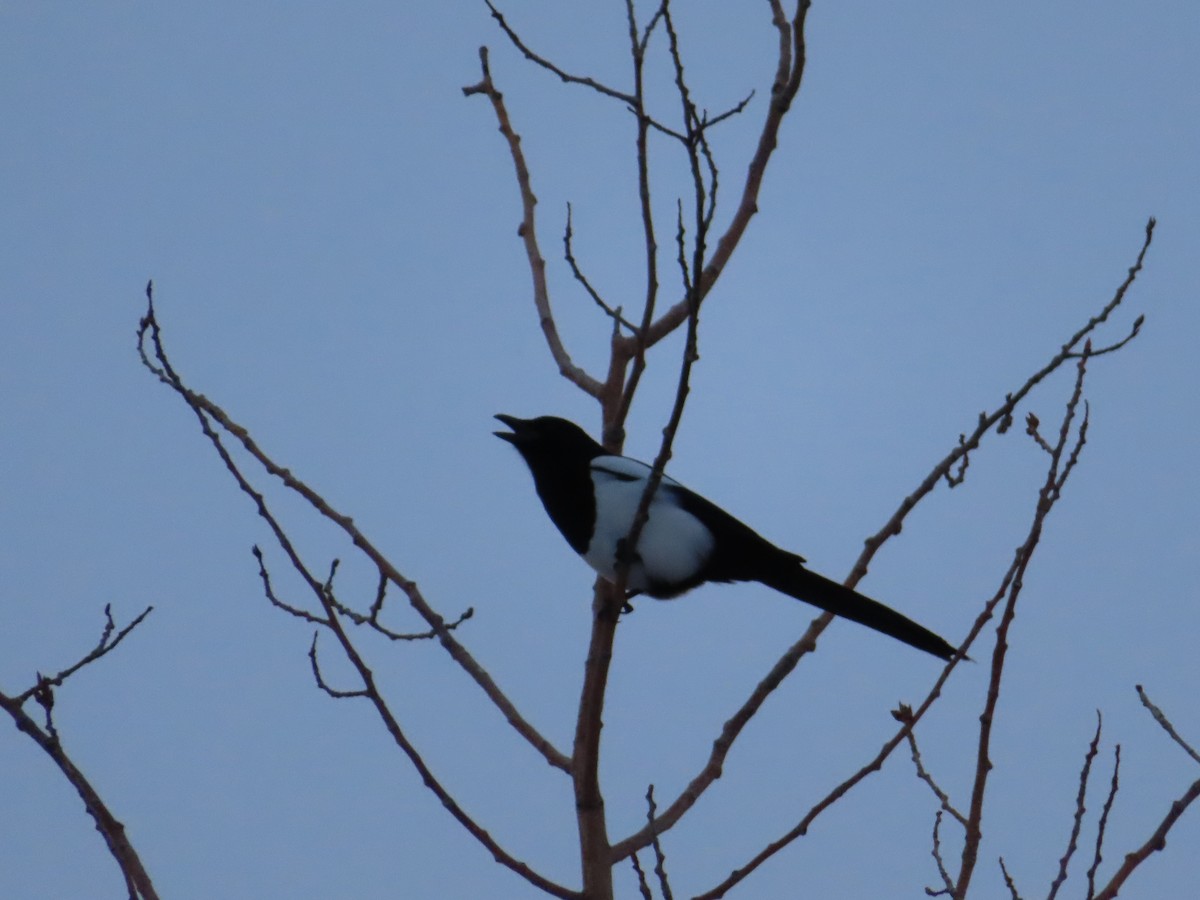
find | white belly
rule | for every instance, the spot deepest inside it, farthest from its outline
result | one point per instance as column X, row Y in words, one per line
column 672, row 547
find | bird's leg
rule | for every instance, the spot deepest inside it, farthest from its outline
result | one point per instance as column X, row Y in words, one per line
column 627, row 607
column 624, row 560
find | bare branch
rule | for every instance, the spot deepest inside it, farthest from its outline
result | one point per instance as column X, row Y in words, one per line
column 660, row 858
column 104, row 646
column 569, row 255
column 374, row 624
column 567, row 77
column 618, row 400
column 1048, row 496
column 786, row 84
column 1162, row 720
column 1157, row 841
column 371, row 692
column 1031, row 428
column 1010, row 587
column 372, row 619
column 954, row 479
column 273, row 598
column 643, row 884
column 137, row 880
column 208, row 412
column 1008, row 882
column 210, row 415
column 1001, row 417
column 1080, row 809
column 707, row 122
column 943, row 798
column 947, row 885
column 322, row 683
column 1097, row 856
column 783, row 667
column 527, row 231
column 909, row 720
column 1111, row 348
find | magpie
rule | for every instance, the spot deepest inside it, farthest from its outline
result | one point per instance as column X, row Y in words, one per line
column 592, row 496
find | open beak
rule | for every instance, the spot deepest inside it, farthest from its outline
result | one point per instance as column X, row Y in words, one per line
column 517, row 426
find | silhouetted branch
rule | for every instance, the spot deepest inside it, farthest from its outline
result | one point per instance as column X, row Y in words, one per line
column 273, row 598
column 1057, row 472
column 209, row 414
column 528, row 232
column 372, row 619
column 660, row 858
column 137, row 880
column 947, row 884
column 104, row 646
column 1008, row 881
column 569, row 255
column 214, row 422
column 1097, row 855
column 542, row 61
column 1162, row 720
column 1060, row 466
column 1080, row 809
column 1111, row 348
column 1157, row 841
column 943, row 798
column 643, row 884
column 322, row 683
column 789, row 73
column 713, row 766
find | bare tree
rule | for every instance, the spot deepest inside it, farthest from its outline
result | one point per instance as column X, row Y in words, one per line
column 701, row 244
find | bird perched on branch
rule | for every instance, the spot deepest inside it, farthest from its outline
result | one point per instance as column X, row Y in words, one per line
column 592, row 497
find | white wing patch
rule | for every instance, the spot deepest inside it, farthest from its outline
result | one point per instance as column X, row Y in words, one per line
column 673, row 545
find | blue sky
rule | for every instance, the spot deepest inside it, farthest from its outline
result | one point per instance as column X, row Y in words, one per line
column 331, row 226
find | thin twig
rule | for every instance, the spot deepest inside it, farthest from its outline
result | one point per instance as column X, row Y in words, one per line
column 789, row 73
column 137, row 880
column 643, row 884
column 1080, row 809
column 273, row 598
column 322, row 683
column 527, row 231
column 540, row 60
column 1097, row 856
column 1048, row 496
column 1008, row 881
column 947, row 885
column 660, row 858
column 104, row 646
column 1162, row 720
column 569, row 255
column 1158, row 840
column 1112, row 348
column 924, row 775
column 619, row 397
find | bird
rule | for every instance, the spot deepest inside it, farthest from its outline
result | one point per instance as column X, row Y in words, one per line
column 592, row 496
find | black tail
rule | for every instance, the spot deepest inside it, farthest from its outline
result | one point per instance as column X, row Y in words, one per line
column 791, row 578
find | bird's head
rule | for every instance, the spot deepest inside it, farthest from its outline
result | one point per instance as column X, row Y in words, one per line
column 548, row 438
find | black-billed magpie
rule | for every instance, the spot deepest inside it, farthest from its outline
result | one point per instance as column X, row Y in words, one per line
column 592, row 497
